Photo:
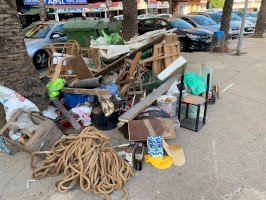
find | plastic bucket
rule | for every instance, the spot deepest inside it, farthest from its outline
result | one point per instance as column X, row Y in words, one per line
column 168, row 104
column 218, row 34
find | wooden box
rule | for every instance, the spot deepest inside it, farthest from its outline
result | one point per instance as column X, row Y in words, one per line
column 43, row 139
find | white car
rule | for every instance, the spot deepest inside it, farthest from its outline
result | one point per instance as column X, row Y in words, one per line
column 165, row 15
column 249, row 26
column 146, row 16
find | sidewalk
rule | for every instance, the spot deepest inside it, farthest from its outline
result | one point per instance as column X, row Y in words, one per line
column 225, row 160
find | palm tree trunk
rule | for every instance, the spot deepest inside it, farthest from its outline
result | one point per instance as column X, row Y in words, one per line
column 17, row 71
column 261, row 22
column 42, row 10
column 225, row 24
column 130, row 21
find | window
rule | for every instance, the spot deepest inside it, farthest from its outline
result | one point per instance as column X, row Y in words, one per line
column 59, row 28
column 217, row 17
column 180, row 24
column 161, row 24
column 37, row 31
column 189, row 21
column 203, row 21
column 148, row 23
column 235, row 17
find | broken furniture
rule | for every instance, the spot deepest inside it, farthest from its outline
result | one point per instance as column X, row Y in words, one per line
column 164, row 53
column 198, row 101
column 40, row 140
column 138, row 131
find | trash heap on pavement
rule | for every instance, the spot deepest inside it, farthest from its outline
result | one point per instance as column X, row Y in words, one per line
column 139, row 87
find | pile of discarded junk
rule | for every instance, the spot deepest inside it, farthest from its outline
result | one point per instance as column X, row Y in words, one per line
column 139, row 88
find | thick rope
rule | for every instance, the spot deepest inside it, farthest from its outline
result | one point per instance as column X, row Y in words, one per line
column 87, row 159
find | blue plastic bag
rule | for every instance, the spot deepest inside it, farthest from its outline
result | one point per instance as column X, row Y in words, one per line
column 72, row 100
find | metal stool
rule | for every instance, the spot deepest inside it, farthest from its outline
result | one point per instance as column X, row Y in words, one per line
column 190, row 123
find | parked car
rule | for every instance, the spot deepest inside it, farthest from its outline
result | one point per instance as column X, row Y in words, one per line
column 146, row 16
column 165, row 15
column 189, row 37
column 39, row 34
column 201, row 21
column 119, row 17
column 250, row 16
column 217, row 17
column 249, row 26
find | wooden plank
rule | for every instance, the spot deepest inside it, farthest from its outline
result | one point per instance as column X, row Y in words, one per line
column 58, row 69
column 157, row 65
column 173, row 50
column 150, row 59
column 80, row 68
column 167, row 51
column 66, row 114
column 85, row 91
column 115, row 65
column 138, row 131
column 13, row 118
column 133, row 65
column 131, row 72
column 148, row 100
column 176, row 67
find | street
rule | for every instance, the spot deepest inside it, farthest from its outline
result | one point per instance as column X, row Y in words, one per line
column 225, row 160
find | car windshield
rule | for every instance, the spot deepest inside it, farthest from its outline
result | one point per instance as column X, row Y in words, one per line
column 235, row 17
column 217, row 17
column 37, row 31
column 181, row 24
column 252, row 14
column 203, row 21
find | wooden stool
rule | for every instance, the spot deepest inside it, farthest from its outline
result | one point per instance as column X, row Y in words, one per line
column 190, row 123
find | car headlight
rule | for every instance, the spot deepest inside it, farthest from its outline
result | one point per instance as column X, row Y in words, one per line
column 192, row 36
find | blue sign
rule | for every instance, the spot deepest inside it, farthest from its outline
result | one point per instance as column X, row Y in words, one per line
column 55, row 2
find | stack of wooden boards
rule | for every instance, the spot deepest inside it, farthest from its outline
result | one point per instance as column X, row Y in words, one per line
column 164, row 53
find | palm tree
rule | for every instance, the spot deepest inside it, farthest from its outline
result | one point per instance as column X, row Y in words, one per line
column 261, row 22
column 42, row 10
column 130, row 21
column 17, row 71
column 225, row 24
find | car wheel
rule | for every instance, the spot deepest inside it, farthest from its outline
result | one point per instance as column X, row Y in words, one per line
column 40, row 59
column 182, row 45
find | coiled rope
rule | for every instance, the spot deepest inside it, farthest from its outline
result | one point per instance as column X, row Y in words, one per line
column 87, row 158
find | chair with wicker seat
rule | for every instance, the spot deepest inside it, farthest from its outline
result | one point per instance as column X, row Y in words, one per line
column 187, row 122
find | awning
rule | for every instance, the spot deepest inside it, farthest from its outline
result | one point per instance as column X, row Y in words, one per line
column 32, row 11
column 162, row 4
column 152, row 3
column 142, row 5
column 118, row 5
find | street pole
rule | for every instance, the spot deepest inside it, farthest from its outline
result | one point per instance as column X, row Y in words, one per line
column 42, row 10
column 238, row 50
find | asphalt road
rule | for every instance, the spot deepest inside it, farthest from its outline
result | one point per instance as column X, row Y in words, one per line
column 225, row 160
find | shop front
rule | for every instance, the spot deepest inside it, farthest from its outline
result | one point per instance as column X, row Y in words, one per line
column 158, row 7
column 98, row 9
column 183, row 7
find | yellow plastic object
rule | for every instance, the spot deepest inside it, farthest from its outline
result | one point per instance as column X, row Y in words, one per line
column 159, row 162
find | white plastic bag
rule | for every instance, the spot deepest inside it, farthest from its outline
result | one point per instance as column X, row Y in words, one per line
column 13, row 101
column 84, row 114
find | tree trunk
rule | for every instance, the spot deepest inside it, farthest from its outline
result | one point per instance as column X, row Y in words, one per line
column 42, row 10
column 225, row 25
column 261, row 22
column 17, row 71
column 130, row 21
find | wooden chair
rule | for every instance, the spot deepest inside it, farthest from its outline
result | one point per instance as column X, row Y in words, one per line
column 187, row 122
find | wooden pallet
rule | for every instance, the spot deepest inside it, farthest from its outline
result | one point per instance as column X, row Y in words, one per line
column 164, row 53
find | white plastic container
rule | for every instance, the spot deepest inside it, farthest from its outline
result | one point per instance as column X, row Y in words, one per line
column 168, row 104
